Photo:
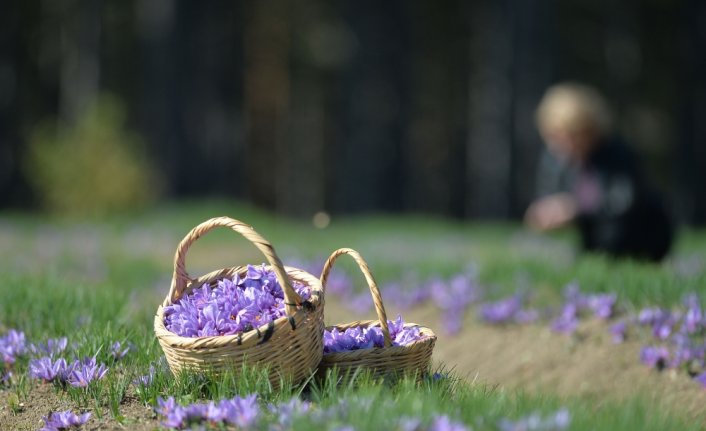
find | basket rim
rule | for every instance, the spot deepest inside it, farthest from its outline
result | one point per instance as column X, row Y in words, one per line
column 430, row 338
column 246, row 338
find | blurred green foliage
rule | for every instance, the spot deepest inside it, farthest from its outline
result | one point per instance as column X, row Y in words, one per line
column 92, row 167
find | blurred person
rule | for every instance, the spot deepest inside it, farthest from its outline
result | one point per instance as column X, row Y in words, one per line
column 588, row 176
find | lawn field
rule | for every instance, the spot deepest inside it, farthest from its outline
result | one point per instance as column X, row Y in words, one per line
column 98, row 282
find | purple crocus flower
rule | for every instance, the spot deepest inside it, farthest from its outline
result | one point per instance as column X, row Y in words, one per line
column 240, row 412
column 701, row 379
column 654, row 357
column 117, row 350
column 5, row 377
column 619, row 332
column 567, row 321
column 12, row 345
column 526, row 315
column 502, row 311
column 64, row 420
column 48, row 370
column 443, row 423
column 558, row 421
column 86, row 371
column 404, row 295
column 649, row 316
column 693, row 320
column 53, row 346
column 289, row 411
column 452, row 319
column 409, row 424
column 602, row 304
column 145, row 380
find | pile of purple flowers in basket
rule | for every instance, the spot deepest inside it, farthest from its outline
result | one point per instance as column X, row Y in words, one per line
column 233, row 306
column 357, row 337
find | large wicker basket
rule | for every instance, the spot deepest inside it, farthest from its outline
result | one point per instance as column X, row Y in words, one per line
column 412, row 359
column 290, row 347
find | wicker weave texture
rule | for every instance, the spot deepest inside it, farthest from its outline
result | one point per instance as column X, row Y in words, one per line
column 413, row 358
column 291, row 346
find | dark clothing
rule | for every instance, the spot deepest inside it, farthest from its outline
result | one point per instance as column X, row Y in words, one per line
column 618, row 212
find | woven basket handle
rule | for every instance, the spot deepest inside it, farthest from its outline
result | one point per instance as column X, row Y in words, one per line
column 374, row 291
column 181, row 278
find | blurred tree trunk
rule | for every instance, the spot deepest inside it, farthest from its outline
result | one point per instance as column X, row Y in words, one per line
column 160, row 96
column 438, row 98
column 267, row 95
column 692, row 140
column 14, row 64
column 373, row 111
column 321, row 44
column 491, row 94
column 533, row 35
column 80, row 66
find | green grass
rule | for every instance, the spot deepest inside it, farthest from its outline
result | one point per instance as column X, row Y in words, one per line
column 100, row 281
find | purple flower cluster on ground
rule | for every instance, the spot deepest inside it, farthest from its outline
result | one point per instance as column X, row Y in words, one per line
column 558, row 421
column 117, row 351
column 145, row 380
column 508, row 310
column 53, row 346
column 577, row 303
column 357, row 338
column 12, row 345
column 453, row 295
column 79, row 373
column 64, row 420
column 239, row 412
column 232, row 306
column 678, row 337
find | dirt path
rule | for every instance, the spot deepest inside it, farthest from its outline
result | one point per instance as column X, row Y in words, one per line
column 535, row 359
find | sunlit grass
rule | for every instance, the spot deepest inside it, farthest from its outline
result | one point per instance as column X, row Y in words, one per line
column 61, row 296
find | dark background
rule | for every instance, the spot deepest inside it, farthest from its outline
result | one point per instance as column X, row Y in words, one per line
column 356, row 106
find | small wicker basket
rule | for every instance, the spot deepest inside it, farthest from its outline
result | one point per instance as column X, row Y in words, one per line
column 412, row 359
column 291, row 346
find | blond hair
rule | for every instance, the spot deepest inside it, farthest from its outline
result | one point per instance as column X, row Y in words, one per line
column 572, row 106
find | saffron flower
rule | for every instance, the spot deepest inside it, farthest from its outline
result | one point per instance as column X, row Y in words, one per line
column 453, row 297
column 694, row 318
column 240, row 412
column 64, row 420
column 619, row 332
column 558, row 421
column 52, row 347
column 117, row 351
column 567, row 321
column 654, row 357
column 146, row 379
column 232, row 306
column 12, row 345
column 289, row 411
column 86, row 371
column 49, row 370
column 507, row 310
column 443, row 423
column 701, row 379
